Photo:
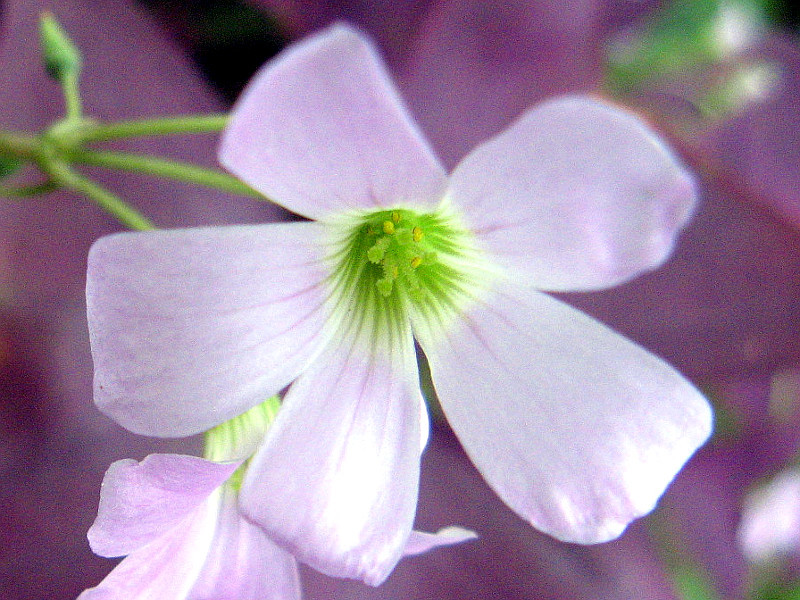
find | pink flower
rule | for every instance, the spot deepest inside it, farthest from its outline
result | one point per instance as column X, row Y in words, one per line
column 178, row 522
column 576, row 428
column 770, row 525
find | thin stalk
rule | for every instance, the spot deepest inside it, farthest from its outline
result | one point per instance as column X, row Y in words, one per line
column 161, row 126
column 27, row 191
column 127, row 215
column 178, row 171
column 72, row 97
column 19, row 145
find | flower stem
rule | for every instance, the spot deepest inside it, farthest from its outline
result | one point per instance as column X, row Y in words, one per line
column 161, row 126
column 61, row 174
column 72, row 97
column 159, row 167
column 19, row 145
column 28, row 191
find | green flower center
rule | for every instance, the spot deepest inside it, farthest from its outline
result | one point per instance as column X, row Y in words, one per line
column 391, row 264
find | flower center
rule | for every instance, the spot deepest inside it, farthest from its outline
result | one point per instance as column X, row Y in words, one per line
column 391, row 263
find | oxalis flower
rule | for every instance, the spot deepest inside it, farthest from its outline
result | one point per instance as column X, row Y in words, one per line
column 576, row 428
column 177, row 519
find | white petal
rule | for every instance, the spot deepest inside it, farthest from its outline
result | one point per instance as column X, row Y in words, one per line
column 321, row 129
column 575, row 195
column 420, row 541
column 191, row 327
column 336, row 480
column 576, row 428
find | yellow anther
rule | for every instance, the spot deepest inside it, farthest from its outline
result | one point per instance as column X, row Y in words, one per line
column 395, row 272
column 388, row 227
column 416, row 233
column 395, row 216
column 416, row 261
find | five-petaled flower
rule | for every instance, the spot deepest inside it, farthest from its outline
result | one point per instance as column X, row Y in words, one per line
column 578, row 429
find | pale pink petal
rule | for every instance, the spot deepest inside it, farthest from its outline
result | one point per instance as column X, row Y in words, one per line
column 576, row 195
column 770, row 525
column 212, row 553
column 243, row 563
column 336, row 480
column 192, row 327
column 420, row 542
column 140, row 501
column 166, row 568
column 576, row 428
column 322, row 129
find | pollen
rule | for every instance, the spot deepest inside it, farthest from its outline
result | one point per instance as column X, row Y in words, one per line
column 391, row 263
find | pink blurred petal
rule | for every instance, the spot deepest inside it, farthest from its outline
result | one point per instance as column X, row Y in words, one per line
column 141, row 501
column 321, row 130
column 770, row 525
column 576, row 195
column 420, row 542
column 578, row 442
column 336, row 480
column 191, row 327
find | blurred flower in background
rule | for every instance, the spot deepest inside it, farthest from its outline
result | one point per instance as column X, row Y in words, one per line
column 725, row 309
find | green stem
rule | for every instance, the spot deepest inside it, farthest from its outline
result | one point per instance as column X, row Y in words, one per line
column 28, row 191
column 162, row 126
column 66, row 177
column 72, row 97
column 149, row 165
column 18, row 145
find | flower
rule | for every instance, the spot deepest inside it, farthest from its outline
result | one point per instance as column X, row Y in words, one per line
column 577, row 429
column 770, row 523
column 177, row 519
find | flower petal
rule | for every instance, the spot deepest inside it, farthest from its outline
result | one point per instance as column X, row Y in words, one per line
column 420, row 542
column 244, row 563
column 140, row 501
column 192, row 327
column 166, row 568
column 576, row 428
column 770, row 525
column 337, row 478
column 322, row 129
column 575, row 195
column 212, row 553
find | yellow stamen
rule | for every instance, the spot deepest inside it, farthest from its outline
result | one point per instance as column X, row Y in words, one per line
column 395, row 216
column 416, row 233
column 388, row 227
column 416, row 261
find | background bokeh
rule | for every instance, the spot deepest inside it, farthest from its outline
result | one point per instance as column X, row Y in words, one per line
column 725, row 309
